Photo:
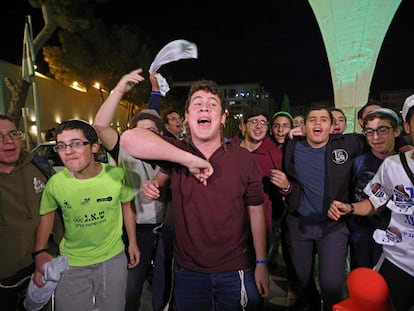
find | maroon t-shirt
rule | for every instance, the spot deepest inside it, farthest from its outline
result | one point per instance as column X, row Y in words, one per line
column 212, row 222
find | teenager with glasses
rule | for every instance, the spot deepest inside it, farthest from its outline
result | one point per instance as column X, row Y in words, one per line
column 381, row 127
column 96, row 205
column 391, row 187
column 257, row 141
column 173, row 124
column 269, row 157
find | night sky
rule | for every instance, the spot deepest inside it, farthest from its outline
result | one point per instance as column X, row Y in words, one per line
column 276, row 43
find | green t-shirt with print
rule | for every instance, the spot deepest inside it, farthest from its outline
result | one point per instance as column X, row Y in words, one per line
column 91, row 211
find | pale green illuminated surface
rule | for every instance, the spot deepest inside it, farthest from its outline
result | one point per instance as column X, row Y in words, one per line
column 353, row 32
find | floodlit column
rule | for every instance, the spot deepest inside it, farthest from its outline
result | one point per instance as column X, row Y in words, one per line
column 353, row 32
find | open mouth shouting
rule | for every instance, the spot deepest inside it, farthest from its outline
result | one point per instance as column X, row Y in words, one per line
column 204, row 121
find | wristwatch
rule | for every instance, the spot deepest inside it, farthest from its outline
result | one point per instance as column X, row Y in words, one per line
column 35, row 253
column 352, row 210
column 287, row 189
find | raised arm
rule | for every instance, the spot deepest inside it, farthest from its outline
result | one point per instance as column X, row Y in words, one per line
column 143, row 144
column 155, row 98
column 105, row 115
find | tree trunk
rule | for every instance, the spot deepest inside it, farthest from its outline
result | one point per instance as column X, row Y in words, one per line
column 19, row 91
column 20, row 88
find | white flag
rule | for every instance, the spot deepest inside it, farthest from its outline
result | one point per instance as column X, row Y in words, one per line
column 173, row 51
column 28, row 60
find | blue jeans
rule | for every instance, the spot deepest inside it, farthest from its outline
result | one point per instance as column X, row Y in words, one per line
column 215, row 291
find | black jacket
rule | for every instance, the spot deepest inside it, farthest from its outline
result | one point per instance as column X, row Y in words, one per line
column 341, row 150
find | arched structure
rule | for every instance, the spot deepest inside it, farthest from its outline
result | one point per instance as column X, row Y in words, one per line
column 353, row 32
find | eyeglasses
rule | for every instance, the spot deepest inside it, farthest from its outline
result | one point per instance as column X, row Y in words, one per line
column 257, row 122
column 75, row 144
column 382, row 130
column 12, row 134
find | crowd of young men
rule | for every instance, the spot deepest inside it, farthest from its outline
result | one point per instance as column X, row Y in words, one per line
column 335, row 192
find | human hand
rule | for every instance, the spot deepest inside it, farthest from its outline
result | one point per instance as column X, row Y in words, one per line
column 128, row 81
column 279, row 179
column 134, row 255
column 337, row 209
column 261, row 276
column 150, row 189
column 297, row 131
column 200, row 168
column 154, row 82
column 40, row 261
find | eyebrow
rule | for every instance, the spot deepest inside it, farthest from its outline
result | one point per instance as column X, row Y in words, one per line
column 208, row 97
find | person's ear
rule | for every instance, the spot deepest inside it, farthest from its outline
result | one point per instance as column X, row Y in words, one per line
column 407, row 127
column 95, row 147
column 397, row 131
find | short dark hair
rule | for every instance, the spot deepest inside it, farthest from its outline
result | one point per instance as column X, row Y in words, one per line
column 148, row 116
column 254, row 112
column 75, row 124
column 318, row 107
column 165, row 118
column 409, row 115
column 371, row 102
column 204, row 85
column 339, row 110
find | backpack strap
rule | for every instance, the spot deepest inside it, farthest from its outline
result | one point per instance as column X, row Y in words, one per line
column 406, row 168
column 43, row 166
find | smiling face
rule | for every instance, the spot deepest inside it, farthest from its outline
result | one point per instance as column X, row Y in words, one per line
column 381, row 145
column 256, row 128
column 317, row 127
column 9, row 146
column 205, row 116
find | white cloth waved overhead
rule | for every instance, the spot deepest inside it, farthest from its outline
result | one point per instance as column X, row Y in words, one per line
column 173, row 51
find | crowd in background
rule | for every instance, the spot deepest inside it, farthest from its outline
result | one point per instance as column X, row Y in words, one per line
column 202, row 218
